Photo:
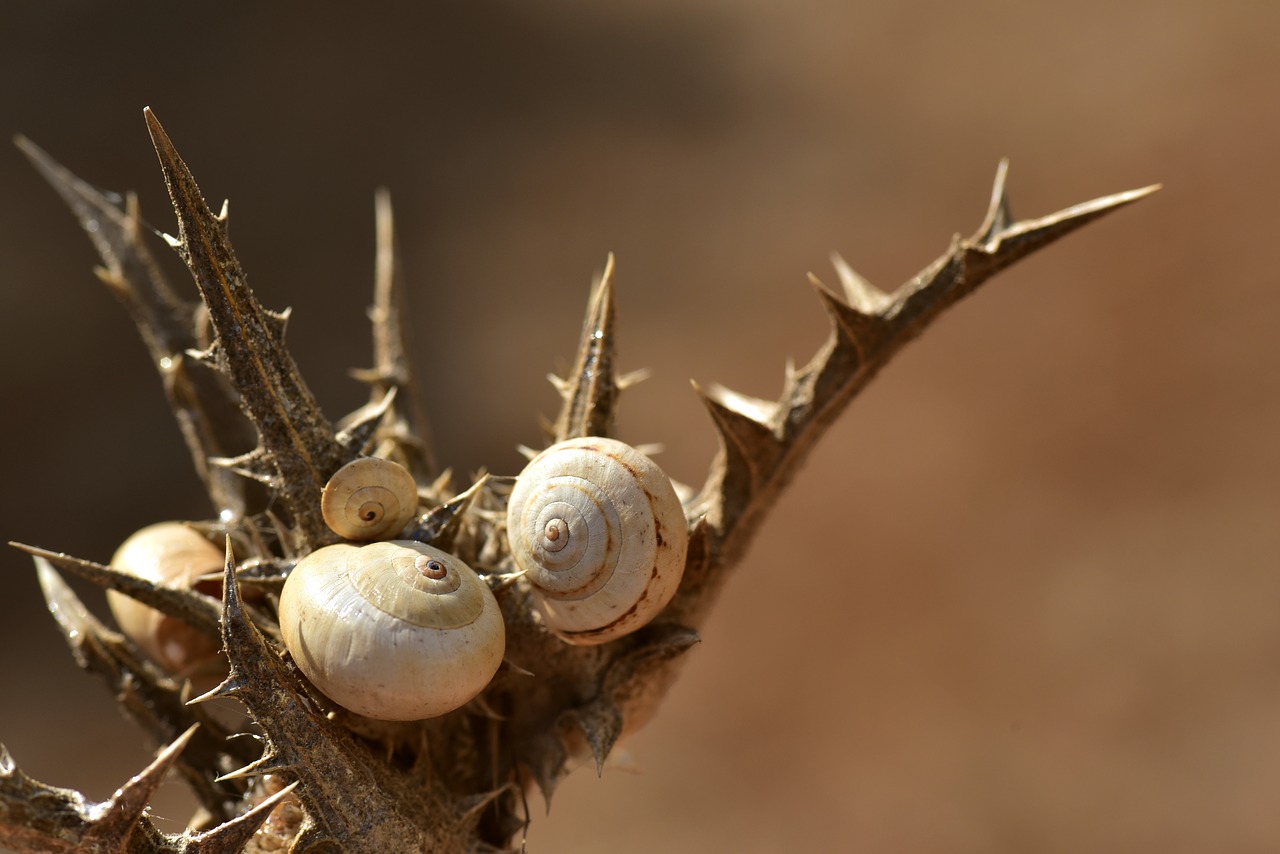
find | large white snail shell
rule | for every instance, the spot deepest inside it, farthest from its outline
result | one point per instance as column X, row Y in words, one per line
column 369, row 499
column 395, row 630
column 171, row 554
column 600, row 532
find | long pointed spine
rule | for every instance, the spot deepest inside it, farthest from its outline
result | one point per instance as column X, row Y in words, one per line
column 295, row 435
column 590, row 392
column 202, row 400
column 407, row 427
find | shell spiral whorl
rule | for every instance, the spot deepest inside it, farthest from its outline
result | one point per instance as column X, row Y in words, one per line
column 369, row 499
column 394, row 630
column 601, row 534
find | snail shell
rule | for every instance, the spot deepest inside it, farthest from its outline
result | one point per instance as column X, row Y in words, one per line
column 174, row 555
column 600, row 533
column 369, row 499
column 394, row 630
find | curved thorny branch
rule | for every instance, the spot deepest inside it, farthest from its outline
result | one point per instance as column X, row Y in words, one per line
column 263, row 450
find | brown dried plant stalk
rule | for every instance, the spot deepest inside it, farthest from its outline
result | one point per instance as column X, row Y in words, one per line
column 314, row 776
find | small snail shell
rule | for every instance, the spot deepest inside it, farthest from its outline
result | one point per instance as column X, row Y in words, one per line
column 369, row 499
column 395, row 630
column 172, row 554
column 600, row 532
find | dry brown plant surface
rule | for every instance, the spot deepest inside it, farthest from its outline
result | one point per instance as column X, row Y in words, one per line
column 300, row 772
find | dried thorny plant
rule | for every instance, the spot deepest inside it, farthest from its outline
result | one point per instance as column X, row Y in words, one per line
column 298, row 771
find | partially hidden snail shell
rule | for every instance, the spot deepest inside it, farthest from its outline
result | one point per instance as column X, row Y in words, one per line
column 395, row 630
column 174, row 555
column 369, row 499
column 599, row 531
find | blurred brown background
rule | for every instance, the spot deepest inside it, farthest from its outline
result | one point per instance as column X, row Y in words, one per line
column 1025, row 595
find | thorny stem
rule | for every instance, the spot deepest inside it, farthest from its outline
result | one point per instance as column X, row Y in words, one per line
column 763, row 442
column 453, row 783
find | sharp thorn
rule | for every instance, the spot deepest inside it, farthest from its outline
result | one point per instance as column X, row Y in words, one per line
column 858, row 292
column 265, row 765
column 562, row 385
column 235, row 834
column 632, row 378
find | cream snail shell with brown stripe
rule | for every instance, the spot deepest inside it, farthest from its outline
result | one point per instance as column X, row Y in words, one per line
column 395, row 630
column 599, row 531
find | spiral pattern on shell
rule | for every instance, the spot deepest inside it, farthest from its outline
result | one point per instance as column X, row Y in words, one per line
column 395, row 630
column 369, row 499
column 600, row 533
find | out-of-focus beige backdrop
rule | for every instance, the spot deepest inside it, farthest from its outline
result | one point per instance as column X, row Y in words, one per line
column 1026, row 594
